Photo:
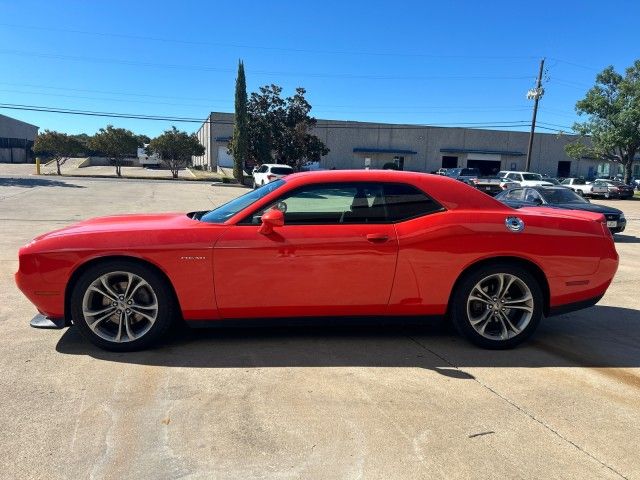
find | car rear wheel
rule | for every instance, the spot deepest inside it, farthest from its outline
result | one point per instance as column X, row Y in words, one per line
column 497, row 306
column 122, row 306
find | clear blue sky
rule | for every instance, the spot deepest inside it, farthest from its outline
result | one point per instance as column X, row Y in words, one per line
column 445, row 62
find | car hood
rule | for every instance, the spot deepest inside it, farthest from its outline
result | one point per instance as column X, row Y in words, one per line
column 588, row 207
column 123, row 223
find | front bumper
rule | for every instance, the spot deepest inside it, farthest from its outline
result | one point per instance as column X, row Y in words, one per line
column 42, row 321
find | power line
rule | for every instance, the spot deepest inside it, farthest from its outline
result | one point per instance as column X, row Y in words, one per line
column 262, row 47
column 326, row 124
column 423, row 109
column 209, row 102
column 354, row 76
column 573, row 64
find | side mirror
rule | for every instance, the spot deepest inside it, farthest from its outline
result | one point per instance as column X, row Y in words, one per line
column 271, row 219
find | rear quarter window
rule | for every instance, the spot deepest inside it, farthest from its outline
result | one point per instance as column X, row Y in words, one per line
column 404, row 202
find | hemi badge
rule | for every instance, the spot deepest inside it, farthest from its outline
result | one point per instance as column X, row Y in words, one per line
column 577, row 282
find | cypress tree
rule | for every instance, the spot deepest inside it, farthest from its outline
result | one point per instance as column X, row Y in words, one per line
column 240, row 140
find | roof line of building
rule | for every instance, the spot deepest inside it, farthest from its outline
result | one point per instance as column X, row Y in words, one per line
column 20, row 121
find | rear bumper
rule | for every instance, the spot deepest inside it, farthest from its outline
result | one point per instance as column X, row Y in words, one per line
column 574, row 306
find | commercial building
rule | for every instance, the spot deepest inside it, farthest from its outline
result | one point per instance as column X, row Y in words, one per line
column 16, row 140
column 355, row 145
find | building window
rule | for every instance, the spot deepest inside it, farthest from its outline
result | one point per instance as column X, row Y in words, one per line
column 449, row 161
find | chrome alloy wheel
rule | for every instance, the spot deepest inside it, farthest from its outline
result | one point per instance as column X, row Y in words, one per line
column 120, row 306
column 500, row 306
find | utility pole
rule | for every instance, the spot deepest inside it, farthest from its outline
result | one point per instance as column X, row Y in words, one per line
column 536, row 94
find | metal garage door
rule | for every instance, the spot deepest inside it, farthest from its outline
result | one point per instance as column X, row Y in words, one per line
column 224, row 159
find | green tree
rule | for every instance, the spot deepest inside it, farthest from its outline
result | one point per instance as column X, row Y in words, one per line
column 83, row 138
column 56, row 146
column 613, row 124
column 176, row 149
column 143, row 139
column 266, row 112
column 239, row 145
column 116, row 144
column 281, row 128
column 296, row 144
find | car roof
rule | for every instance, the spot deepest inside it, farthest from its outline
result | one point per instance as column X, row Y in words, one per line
column 549, row 187
column 450, row 192
column 518, row 171
column 277, row 165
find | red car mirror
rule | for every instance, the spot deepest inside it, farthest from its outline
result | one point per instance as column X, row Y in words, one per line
column 270, row 219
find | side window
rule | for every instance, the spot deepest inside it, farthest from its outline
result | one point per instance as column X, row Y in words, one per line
column 514, row 194
column 326, row 204
column 532, row 196
column 403, row 202
column 322, row 204
column 263, row 168
column 511, row 176
column 566, row 181
column 355, row 202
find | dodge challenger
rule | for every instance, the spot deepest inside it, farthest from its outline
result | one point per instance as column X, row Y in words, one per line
column 323, row 244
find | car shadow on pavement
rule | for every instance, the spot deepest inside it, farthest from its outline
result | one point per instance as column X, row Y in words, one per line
column 620, row 238
column 35, row 182
column 598, row 337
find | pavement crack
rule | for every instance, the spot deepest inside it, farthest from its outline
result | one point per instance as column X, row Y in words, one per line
column 520, row 409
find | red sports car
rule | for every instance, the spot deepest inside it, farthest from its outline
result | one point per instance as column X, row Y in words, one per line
column 319, row 244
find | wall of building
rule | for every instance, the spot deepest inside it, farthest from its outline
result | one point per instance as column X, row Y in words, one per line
column 426, row 145
column 16, row 140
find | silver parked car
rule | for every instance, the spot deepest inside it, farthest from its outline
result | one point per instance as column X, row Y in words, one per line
column 584, row 188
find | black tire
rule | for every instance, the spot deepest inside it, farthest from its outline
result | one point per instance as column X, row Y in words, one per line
column 580, row 192
column 462, row 306
column 254, row 186
column 156, row 289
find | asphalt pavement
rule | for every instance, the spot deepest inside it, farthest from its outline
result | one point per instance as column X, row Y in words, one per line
column 310, row 403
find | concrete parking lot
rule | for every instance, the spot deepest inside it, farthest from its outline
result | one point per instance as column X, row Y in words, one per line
column 311, row 403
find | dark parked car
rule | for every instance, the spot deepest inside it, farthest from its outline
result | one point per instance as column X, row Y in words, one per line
column 615, row 188
column 463, row 174
column 561, row 197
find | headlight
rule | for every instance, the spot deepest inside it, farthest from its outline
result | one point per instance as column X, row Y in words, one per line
column 622, row 217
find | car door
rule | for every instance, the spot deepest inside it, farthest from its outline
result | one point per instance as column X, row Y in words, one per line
column 333, row 255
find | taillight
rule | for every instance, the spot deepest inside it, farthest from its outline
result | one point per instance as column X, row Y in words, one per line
column 271, row 177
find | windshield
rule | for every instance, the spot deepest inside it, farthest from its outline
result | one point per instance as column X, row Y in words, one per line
column 562, row 195
column 532, row 176
column 228, row 210
column 470, row 171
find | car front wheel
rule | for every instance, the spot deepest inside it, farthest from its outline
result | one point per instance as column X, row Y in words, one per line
column 122, row 306
column 497, row 306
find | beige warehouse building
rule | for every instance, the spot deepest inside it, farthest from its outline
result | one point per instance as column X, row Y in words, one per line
column 16, row 140
column 355, row 145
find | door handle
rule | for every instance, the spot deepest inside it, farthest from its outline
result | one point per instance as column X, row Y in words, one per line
column 377, row 237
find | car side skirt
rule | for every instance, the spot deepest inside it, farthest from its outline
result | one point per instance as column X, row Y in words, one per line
column 337, row 321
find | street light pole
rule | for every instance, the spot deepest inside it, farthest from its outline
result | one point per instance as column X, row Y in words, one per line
column 536, row 94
